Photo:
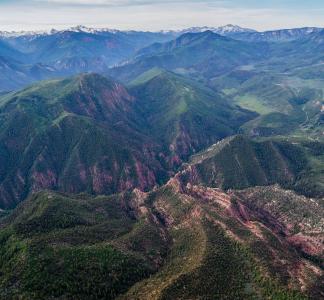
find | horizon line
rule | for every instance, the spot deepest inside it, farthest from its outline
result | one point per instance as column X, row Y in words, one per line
column 64, row 27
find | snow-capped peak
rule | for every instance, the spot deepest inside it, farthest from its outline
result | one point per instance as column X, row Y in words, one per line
column 13, row 34
column 222, row 30
column 229, row 28
column 79, row 28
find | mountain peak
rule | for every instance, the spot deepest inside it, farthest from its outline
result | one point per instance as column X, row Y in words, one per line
column 16, row 34
column 192, row 36
column 148, row 75
column 230, row 28
column 77, row 29
column 94, row 77
column 85, row 29
column 222, row 30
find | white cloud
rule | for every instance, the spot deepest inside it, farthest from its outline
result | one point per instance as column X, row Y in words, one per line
column 87, row 2
column 166, row 15
column 119, row 2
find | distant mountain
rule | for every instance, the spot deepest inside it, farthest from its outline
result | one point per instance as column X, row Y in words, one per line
column 314, row 40
column 306, row 51
column 206, row 54
column 111, row 48
column 230, row 29
column 31, row 42
column 14, row 74
column 16, row 34
column 281, row 35
column 226, row 30
column 82, row 49
column 71, row 51
column 9, row 52
column 79, row 28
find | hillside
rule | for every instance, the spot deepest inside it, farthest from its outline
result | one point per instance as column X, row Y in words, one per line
column 150, row 246
column 289, row 103
column 238, row 162
column 89, row 134
column 54, row 227
column 73, row 135
column 182, row 115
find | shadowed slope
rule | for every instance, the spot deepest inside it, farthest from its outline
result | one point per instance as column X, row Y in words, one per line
column 74, row 135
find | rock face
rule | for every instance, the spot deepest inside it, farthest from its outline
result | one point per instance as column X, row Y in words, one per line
column 90, row 134
column 74, row 135
column 180, row 240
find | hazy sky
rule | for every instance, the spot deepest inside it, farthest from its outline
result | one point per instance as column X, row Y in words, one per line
column 158, row 14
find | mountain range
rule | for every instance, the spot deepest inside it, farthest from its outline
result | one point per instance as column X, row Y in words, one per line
column 80, row 28
column 82, row 49
column 181, row 164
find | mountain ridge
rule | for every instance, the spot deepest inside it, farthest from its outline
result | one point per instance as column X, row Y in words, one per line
column 144, row 238
column 229, row 28
column 89, row 109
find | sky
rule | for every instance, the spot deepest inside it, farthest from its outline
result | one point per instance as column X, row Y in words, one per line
column 153, row 15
